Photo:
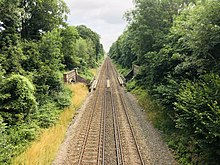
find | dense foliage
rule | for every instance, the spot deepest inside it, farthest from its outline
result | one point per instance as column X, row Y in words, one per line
column 176, row 43
column 36, row 47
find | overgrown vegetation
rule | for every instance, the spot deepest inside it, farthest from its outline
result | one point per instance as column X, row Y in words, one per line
column 36, row 47
column 122, row 70
column 176, row 43
column 43, row 150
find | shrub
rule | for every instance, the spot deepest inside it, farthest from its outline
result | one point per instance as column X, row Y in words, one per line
column 17, row 98
column 4, row 147
column 198, row 112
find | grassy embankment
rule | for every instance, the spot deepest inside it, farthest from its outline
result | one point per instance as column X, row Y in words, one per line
column 160, row 119
column 43, row 150
column 93, row 71
column 153, row 110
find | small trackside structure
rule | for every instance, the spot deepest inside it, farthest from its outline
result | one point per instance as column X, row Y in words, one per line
column 133, row 72
column 73, row 76
column 136, row 69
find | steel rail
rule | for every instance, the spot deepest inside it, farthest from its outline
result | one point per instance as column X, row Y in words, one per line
column 102, row 125
column 129, row 121
column 116, row 133
column 116, row 125
column 115, row 122
column 89, row 126
column 132, row 131
column 104, row 130
column 104, row 120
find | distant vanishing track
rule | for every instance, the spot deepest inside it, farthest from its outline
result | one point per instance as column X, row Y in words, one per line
column 101, row 141
column 106, row 132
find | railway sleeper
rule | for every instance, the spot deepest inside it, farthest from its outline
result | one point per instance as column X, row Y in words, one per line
column 89, row 156
column 89, row 161
column 92, row 142
column 91, row 148
column 90, row 152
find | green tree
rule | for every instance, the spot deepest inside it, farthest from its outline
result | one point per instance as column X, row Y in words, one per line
column 36, row 45
column 198, row 114
column 69, row 38
column 87, row 34
column 10, row 44
column 82, row 53
column 40, row 16
column 32, row 61
column 17, row 99
column 176, row 43
column 125, row 53
column 48, row 77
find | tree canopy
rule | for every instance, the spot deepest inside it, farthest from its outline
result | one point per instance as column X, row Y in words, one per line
column 36, row 47
column 176, row 44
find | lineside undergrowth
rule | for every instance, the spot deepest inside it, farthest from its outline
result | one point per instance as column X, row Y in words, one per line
column 44, row 149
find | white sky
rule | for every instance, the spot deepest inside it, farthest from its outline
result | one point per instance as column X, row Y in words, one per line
column 105, row 17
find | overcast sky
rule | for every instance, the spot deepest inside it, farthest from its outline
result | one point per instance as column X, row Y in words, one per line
column 103, row 16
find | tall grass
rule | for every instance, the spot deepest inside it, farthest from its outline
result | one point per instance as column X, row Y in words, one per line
column 43, row 151
column 93, row 71
column 155, row 112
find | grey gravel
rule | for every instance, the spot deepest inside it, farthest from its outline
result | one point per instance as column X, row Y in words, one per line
column 153, row 149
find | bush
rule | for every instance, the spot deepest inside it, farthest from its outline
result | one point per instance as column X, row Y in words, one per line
column 130, row 85
column 64, row 98
column 4, row 147
column 17, row 98
column 198, row 113
column 14, row 139
column 47, row 115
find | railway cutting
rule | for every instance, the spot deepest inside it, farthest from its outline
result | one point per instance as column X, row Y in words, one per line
column 110, row 129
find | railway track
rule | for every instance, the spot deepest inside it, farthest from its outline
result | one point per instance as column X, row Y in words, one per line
column 113, row 153
column 85, row 148
column 133, row 147
column 104, row 134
